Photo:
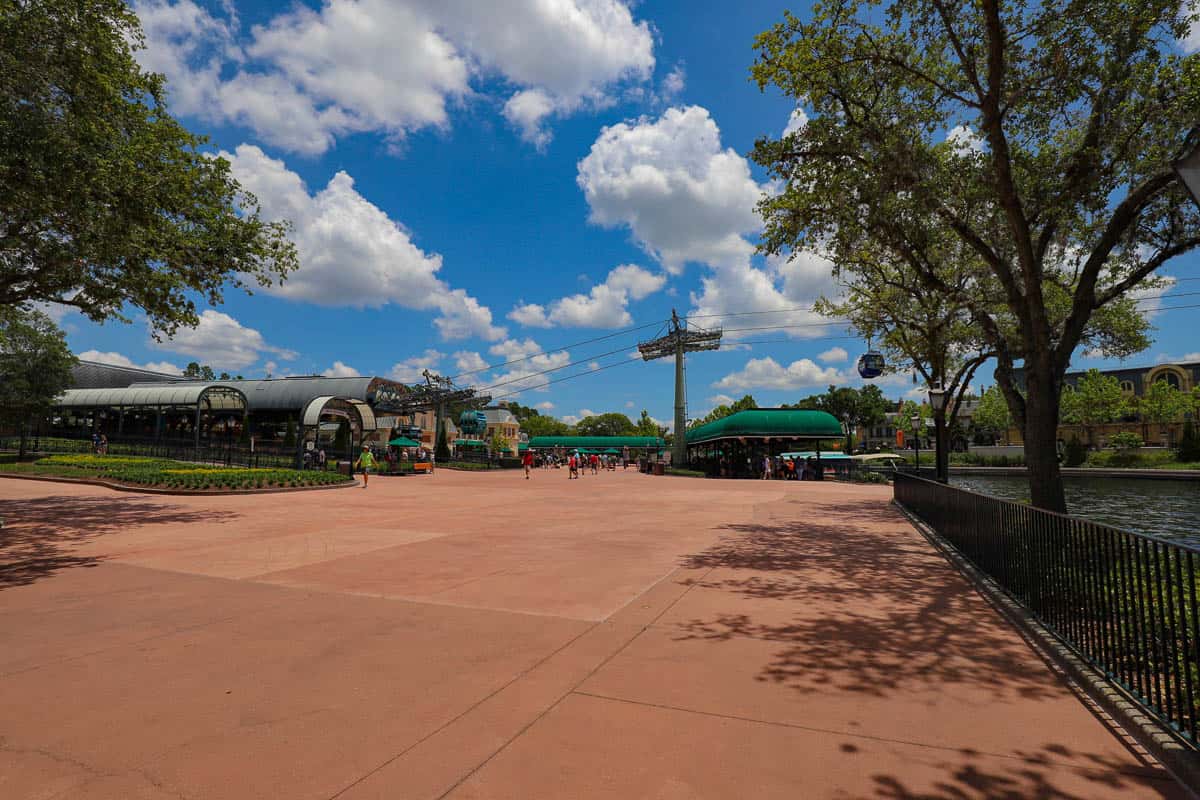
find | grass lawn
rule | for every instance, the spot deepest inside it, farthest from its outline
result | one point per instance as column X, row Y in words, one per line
column 166, row 474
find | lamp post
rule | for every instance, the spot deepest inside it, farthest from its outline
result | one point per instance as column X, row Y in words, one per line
column 1187, row 167
column 916, row 423
column 937, row 401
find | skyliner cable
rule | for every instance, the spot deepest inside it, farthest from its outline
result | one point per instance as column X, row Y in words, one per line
column 794, row 309
column 566, row 378
column 562, row 347
column 727, row 330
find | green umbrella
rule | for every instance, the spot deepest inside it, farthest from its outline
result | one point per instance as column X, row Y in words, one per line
column 612, row 451
column 401, row 441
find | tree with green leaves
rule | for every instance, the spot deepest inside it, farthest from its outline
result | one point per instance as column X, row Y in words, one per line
column 648, row 427
column 35, row 368
column 611, row 424
column 925, row 332
column 499, row 444
column 747, row 403
column 1162, row 403
column 544, row 425
column 105, row 200
column 853, row 407
column 1038, row 135
column 199, row 372
column 441, row 448
column 992, row 416
column 1096, row 399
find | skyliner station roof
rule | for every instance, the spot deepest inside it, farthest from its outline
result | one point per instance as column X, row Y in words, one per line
column 775, row 424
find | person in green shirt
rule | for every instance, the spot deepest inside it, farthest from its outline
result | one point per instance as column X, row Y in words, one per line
column 367, row 462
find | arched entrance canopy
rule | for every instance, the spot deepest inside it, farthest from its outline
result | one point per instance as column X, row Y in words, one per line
column 315, row 407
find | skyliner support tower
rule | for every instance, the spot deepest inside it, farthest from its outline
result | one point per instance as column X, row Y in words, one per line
column 680, row 339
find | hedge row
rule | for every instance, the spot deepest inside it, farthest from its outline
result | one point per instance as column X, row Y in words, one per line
column 164, row 473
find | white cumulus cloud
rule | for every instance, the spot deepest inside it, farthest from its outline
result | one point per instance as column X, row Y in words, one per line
column 222, row 342
column 306, row 77
column 687, row 199
column 353, row 254
column 340, row 370
column 531, row 366
column 469, row 361
column 669, row 180
column 604, row 306
column 796, row 121
column 834, row 355
column 767, row 373
column 119, row 360
column 410, row 369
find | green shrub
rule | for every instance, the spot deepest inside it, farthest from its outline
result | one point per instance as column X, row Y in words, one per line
column 172, row 474
column 1125, row 440
column 683, row 473
column 1075, row 453
column 1189, row 444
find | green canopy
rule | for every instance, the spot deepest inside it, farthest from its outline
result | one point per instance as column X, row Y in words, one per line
column 612, row 451
column 773, row 423
column 574, row 442
column 402, row 441
column 522, row 447
column 470, row 443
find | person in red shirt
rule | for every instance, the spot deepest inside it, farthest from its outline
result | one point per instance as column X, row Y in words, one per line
column 595, row 461
column 527, row 460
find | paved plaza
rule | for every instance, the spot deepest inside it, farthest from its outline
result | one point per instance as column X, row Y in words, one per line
column 482, row 636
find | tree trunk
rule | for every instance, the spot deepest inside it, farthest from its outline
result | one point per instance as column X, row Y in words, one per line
column 1041, row 440
column 941, row 447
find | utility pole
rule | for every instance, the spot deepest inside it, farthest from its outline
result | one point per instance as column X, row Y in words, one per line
column 680, row 339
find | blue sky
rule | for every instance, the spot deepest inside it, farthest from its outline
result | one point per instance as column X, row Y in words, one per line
column 477, row 183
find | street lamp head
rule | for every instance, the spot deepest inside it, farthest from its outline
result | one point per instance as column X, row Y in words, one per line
column 1187, row 167
column 937, row 397
column 916, row 420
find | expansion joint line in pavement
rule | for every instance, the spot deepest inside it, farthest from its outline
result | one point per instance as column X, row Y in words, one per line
column 814, row 729
column 577, row 684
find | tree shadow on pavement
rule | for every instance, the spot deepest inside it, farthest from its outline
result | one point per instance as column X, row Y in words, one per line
column 39, row 533
column 868, row 608
column 1033, row 775
column 861, row 604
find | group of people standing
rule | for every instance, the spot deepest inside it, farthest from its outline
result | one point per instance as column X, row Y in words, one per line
column 791, row 469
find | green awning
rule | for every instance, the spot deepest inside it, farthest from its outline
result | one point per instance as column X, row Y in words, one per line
column 470, row 443
column 402, row 441
column 601, row 442
column 522, row 447
column 774, row 423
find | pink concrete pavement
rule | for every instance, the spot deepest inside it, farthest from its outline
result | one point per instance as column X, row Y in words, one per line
column 483, row 636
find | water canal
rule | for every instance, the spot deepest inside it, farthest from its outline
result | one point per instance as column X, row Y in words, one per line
column 1170, row 509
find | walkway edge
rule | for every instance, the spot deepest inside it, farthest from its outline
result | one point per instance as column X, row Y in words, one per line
column 123, row 487
column 1182, row 762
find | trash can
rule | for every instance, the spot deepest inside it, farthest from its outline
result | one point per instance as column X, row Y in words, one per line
column 659, row 468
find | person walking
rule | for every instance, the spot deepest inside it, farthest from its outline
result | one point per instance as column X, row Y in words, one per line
column 366, row 461
column 527, row 460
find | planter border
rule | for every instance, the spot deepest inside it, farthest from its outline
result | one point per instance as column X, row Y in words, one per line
column 134, row 488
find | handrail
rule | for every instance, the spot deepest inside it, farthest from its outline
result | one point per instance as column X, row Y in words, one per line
column 1125, row 602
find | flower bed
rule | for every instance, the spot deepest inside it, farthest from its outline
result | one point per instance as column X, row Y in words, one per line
column 166, row 474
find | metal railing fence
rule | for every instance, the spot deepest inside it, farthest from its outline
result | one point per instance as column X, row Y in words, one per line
column 1123, row 601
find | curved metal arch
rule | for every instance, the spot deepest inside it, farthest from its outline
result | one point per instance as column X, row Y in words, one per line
column 311, row 415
